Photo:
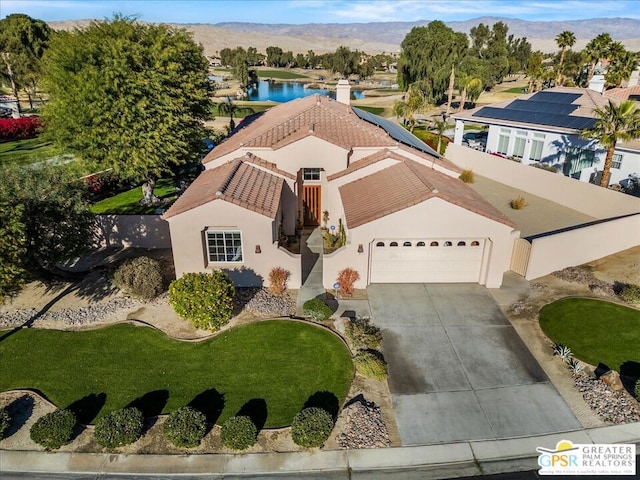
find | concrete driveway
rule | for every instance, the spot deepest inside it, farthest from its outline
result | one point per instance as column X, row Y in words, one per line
column 457, row 368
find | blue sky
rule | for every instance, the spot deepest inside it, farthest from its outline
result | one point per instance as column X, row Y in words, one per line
column 319, row 11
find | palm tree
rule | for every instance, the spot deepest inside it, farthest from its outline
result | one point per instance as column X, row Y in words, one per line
column 440, row 127
column 615, row 123
column 470, row 87
column 414, row 102
column 621, row 68
column 595, row 50
column 228, row 107
column 564, row 39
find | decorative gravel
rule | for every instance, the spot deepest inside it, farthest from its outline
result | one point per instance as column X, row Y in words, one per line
column 260, row 301
column 585, row 277
column 610, row 406
column 364, row 427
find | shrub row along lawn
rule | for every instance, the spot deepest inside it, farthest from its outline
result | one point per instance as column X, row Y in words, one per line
column 280, row 363
column 129, row 202
column 595, row 331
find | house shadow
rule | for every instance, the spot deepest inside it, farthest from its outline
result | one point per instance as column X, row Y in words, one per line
column 630, row 375
column 87, row 408
column 151, row 404
column 248, row 282
column 325, row 400
column 330, row 301
column 211, row 403
column 256, row 410
column 20, row 410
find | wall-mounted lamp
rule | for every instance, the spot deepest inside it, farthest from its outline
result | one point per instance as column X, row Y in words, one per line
column 360, row 249
column 258, row 249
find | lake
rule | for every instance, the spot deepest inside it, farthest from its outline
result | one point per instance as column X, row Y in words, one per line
column 285, row 91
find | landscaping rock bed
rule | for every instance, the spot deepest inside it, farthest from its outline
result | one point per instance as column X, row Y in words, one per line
column 584, row 277
column 364, row 427
column 259, row 301
column 612, row 407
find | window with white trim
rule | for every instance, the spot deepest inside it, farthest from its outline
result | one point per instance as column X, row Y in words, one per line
column 616, row 161
column 518, row 147
column 224, row 246
column 503, row 144
column 577, row 159
column 311, row 174
column 536, row 150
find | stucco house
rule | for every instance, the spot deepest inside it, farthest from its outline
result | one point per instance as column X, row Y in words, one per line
column 406, row 215
column 544, row 128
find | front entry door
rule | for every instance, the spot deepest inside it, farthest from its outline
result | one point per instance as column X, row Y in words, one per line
column 311, row 199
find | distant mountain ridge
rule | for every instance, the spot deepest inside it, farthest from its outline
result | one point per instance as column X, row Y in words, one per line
column 386, row 36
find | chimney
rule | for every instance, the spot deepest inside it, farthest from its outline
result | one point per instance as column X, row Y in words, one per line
column 343, row 91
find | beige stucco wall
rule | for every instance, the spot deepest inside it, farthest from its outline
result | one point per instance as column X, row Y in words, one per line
column 434, row 218
column 189, row 247
column 575, row 247
column 141, row 231
column 590, row 199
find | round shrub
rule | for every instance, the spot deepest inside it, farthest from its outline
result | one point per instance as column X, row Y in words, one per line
column 316, row 309
column 630, row 293
column 370, row 365
column 311, row 427
column 362, row 334
column 205, row 299
column 5, row 421
column 120, row 427
column 141, row 277
column 54, row 429
column 185, row 427
column 238, row 433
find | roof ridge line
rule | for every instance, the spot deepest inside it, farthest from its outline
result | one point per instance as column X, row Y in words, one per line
column 225, row 184
column 411, row 165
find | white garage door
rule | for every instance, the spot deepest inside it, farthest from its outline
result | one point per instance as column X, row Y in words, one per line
column 426, row 260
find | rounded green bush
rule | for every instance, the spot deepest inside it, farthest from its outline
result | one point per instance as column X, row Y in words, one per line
column 141, row 277
column 316, row 309
column 238, row 433
column 5, row 421
column 185, row 427
column 362, row 334
column 120, row 427
column 54, row 429
column 205, row 299
column 311, row 427
column 370, row 365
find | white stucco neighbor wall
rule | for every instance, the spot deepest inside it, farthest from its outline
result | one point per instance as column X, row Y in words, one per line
column 434, row 218
column 138, row 231
column 189, row 246
column 558, row 251
column 581, row 196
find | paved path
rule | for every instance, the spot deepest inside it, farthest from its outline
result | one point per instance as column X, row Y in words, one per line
column 458, row 371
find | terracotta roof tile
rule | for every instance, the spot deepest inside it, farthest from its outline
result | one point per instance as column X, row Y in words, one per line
column 623, row 93
column 406, row 184
column 237, row 182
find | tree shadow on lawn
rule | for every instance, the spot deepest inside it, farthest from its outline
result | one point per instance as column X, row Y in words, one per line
column 87, row 408
column 20, row 410
column 211, row 403
column 151, row 404
column 256, row 410
column 629, row 375
column 326, row 401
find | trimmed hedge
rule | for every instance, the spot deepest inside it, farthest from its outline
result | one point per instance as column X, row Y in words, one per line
column 54, row 429
column 186, row 427
column 205, row 299
column 311, row 427
column 238, row 433
column 370, row 365
column 5, row 421
column 316, row 309
column 119, row 428
column 141, row 277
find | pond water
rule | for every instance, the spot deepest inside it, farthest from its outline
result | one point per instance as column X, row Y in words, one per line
column 285, row 91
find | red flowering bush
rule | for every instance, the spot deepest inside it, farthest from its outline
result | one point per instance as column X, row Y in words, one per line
column 19, row 128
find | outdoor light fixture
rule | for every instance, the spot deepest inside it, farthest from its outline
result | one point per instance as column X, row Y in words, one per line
column 360, row 249
column 258, row 249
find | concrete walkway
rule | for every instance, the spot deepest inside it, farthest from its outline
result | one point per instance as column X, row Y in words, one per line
column 311, row 251
column 458, row 371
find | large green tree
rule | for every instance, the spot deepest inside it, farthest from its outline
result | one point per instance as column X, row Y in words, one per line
column 23, row 40
column 128, row 96
column 596, row 49
column 615, row 123
column 621, row 68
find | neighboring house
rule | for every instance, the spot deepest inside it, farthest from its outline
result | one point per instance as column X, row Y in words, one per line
column 407, row 216
column 544, row 128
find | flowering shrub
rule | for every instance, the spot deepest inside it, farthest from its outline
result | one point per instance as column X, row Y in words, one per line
column 238, row 433
column 19, row 128
column 346, row 279
column 278, row 278
column 54, row 429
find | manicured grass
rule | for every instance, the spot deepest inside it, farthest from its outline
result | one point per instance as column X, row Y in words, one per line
column 255, row 106
column 595, row 331
column 24, row 152
column 374, row 110
column 520, row 90
column 129, row 202
column 279, row 362
column 280, row 74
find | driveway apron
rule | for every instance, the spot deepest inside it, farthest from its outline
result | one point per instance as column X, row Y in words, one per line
column 457, row 368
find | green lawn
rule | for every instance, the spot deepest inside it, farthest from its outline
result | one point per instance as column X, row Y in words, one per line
column 280, row 74
column 519, row 90
column 129, row 202
column 24, row 152
column 374, row 110
column 278, row 362
column 595, row 331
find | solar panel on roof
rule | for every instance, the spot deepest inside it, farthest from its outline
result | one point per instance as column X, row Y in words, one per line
column 555, row 97
column 395, row 131
column 537, row 118
column 534, row 106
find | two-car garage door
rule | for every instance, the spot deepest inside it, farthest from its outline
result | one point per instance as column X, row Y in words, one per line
column 426, row 260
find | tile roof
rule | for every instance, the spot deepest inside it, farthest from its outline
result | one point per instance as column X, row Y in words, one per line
column 623, row 93
column 237, row 182
column 406, row 184
column 313, row 115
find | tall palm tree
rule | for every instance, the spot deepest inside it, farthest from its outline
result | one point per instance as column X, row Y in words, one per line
column 564, row 39
column 414, row 102
column 228, row 107
column 595, row 50
column 615, row 123
column 440, row 127
column 470, row 88
column 621, row 68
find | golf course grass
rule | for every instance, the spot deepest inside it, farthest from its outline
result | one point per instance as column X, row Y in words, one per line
column 272, row 366
column 596, row 331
